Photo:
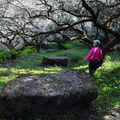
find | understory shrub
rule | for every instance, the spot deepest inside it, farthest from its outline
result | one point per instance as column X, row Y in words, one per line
column 13, row 54
column 51, row 45
column 5, row 55
column 26, row 51
column 54, row 45
column 1, row 60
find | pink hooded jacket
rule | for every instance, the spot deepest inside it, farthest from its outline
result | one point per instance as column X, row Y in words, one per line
column 94, row 55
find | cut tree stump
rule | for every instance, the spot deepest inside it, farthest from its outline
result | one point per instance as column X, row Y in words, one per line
column 55, row 60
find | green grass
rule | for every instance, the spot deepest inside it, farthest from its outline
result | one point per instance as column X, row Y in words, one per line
column 108, row 81
column 107, row 77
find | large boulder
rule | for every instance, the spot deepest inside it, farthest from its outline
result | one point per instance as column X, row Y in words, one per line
column 40, row 94
column 55, row 60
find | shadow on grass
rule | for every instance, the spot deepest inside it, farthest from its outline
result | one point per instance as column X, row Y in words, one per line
column 5, row 72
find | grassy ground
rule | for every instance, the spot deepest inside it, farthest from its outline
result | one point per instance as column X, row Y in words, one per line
column 107, row 77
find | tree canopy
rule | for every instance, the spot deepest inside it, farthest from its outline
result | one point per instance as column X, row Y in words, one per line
column 33, row 21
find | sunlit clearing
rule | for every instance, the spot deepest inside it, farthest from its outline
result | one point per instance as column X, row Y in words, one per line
column 39, row 71
column 83, row 67
column 3, row 69
column 51, row 69
column 109, row 66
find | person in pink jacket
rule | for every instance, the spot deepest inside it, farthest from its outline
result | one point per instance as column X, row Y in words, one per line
column 94, row 57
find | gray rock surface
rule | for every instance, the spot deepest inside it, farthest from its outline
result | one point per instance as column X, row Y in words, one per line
column 113, row 114
column 50, row 50
column 40, row 94
column 55, row 60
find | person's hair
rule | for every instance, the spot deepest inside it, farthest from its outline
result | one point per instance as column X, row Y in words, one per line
column 97, row 42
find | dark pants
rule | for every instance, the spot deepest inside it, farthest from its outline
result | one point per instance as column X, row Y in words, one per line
column 93, row 65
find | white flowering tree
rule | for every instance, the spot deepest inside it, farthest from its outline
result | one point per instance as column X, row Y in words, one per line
column 33, row 21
